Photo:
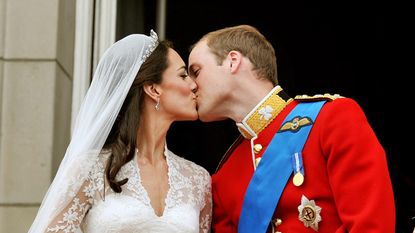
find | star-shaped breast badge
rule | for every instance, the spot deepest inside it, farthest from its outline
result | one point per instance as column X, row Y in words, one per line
column 309, row 213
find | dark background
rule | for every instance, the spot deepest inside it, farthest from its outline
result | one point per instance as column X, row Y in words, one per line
column 352, row 48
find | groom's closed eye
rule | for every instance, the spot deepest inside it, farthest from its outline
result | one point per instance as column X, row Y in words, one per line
column 193, row 72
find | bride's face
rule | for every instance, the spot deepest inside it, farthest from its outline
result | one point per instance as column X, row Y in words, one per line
column 178, row 98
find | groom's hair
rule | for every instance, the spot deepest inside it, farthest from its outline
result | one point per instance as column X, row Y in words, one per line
column 250, row 42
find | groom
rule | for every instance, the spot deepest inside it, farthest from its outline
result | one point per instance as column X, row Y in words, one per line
column 303, row 164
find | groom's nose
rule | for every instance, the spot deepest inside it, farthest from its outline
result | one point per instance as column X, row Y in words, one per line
column 193, row 86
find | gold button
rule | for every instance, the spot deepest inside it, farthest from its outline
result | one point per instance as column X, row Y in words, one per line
column 277, row 221
column 257, row 148
column 257, row 160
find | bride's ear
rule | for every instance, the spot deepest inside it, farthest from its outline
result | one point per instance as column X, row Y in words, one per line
column 152, row 90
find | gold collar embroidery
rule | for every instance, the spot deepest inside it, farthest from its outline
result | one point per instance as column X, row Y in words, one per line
column 264, row 113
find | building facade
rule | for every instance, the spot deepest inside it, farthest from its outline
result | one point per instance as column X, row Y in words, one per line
column 48, row 51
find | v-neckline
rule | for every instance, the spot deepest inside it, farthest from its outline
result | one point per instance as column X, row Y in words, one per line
column 146, row 195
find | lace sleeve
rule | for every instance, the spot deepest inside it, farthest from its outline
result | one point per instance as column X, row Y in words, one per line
column 205, row 218
column 71, row 217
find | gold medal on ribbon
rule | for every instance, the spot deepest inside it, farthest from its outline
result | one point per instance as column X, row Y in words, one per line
column 298, row 179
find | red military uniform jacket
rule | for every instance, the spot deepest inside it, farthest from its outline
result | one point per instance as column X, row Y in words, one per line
column 345, row 172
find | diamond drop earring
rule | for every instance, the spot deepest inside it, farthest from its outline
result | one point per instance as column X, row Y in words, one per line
column 157, row 107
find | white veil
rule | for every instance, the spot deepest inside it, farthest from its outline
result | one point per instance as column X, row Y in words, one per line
column 111, row 82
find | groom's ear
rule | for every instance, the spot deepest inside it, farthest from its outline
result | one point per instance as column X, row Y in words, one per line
column 235, row 59
column 152, row 90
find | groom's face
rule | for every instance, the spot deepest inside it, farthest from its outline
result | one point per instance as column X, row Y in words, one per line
column 213, row 88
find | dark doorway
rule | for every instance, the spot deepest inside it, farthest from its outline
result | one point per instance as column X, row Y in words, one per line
column 322, row 47
column 337, row 47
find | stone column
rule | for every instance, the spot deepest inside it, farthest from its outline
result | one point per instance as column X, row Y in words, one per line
column 36, row 67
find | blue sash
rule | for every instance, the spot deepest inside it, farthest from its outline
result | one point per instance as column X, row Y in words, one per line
column 274, row 170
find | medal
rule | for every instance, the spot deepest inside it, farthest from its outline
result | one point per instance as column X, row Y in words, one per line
column 309, row 213
column 298, row 179
column 297, row 162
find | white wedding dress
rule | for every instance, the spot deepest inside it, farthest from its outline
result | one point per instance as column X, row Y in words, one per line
column 188, row 204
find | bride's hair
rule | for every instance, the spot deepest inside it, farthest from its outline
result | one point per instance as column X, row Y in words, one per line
column 121, row 141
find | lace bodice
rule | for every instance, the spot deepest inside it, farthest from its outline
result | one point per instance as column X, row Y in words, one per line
column 96, row 209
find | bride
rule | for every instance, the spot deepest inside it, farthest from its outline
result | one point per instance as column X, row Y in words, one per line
column 118, row 174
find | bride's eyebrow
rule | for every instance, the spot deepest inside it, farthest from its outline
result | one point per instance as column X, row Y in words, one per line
column 182, row 67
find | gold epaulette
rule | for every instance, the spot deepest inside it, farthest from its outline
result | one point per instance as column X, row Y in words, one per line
column 308, row 98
